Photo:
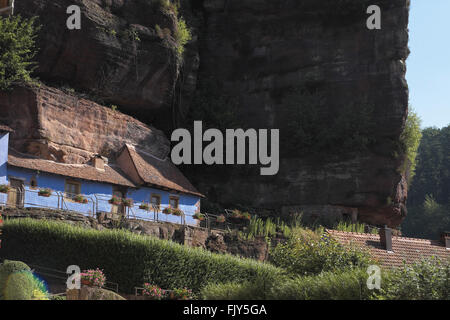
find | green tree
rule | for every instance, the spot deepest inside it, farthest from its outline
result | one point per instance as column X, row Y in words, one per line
column 17, row 49
column 410, row 140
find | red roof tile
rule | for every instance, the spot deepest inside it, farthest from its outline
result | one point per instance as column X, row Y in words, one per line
column 405, row 249
column 82, row 171
column 161, row 173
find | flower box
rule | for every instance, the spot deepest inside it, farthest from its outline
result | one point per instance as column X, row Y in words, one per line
column 45, row 192
column 153, row 292
column 94, row 278
column 221, row 219
column 144, row 206
column 181, row 294
column 4, row 188
column 199, row 216
column 177, row 212
column 115, row 201
column 167, row 210
column 80, row 199
column 127, row 202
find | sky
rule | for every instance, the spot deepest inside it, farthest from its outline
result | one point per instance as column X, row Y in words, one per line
column 428, row 66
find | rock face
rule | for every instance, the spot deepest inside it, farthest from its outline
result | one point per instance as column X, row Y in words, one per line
column 117, row 55
column 48, row 122
column 256, row 52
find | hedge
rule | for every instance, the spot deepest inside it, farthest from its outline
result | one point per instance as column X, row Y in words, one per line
column 126, row 258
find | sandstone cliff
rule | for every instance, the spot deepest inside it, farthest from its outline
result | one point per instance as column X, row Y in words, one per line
column 252, row 56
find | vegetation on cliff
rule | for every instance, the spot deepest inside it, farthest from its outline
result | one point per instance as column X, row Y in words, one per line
column 17, row 50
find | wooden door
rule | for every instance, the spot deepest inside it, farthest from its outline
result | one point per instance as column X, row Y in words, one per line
column 15, row 194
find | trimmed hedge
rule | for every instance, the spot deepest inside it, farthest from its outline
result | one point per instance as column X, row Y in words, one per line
column 126, row 258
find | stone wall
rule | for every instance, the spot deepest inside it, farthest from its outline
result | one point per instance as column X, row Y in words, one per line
column 217, row 241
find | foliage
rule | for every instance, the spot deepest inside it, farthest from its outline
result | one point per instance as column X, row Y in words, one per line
column 428, row 279
column 181, row 294
column 410, row 140
column 17, row 50
column 46, row 192
column 309, row 253
column 429, row 192
column 199, row 216
column 4, row 188
column 142, row 258
column 354, row 227
column 182, row 37
column 17, row 282
column 95, row 277
column 152, row 291
column 338, row 285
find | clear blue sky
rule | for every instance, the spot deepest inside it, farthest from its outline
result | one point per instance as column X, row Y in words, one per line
column 428, row 65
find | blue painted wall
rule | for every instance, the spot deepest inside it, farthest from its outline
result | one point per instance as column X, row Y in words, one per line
column 98, row 195
column 4, row 139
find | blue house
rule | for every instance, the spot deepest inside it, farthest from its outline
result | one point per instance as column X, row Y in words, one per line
column 137, row 185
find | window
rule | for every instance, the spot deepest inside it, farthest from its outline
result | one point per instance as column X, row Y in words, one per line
column 174, row 202
column 155, row 201
column 72, row 188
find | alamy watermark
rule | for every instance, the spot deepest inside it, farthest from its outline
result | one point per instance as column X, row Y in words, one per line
column 234, row 143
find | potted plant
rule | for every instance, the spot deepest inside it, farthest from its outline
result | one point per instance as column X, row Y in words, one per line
column 153, row 292
column 221, row 218
column 115, row 200
column 177, row 212
column 144, row 206
column 80, row 199
column 127, row 202
column 94, row 278
column 46, row 192
column 4, row 188
column 236, row 215
column 167, row 210
column 246, row 216
column 199, row 216
column 181, row 294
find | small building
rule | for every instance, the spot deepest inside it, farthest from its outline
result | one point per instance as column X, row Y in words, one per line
column 391, row 251
column 6, row 7
column 137, row 185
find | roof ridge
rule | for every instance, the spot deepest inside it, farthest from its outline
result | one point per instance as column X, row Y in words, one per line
column 146, row 153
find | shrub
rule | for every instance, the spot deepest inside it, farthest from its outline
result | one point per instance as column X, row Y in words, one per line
column 307, row 253
column 340, row 285
column 425, row 280
column 17, row 49
column 7, row 268
column 410, row 140
column 336, row 285
column 18, row 283
column 93, row 277
column 128, row 259
column 153, row 292
column 181, row 294
column 182, row 36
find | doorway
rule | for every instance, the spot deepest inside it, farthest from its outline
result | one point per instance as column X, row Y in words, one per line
column 15, row 194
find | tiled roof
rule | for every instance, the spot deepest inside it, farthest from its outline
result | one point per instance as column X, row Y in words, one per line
column 81, row 171
column 160, row 173
column 405, row 249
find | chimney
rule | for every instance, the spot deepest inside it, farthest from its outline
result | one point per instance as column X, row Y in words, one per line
column 445, row 238
column 386, row 238
column 99, row 162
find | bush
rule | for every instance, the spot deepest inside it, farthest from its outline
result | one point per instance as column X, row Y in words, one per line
column 341, row 285
column 425, row 280
column 17, row 282
column 7, row 268
column 308, row 253
column 17, row 49
column 410, row 140
column 128, row 259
